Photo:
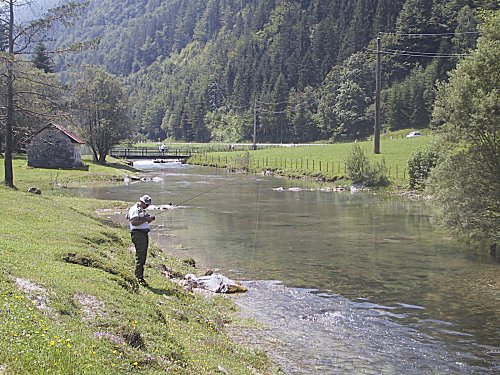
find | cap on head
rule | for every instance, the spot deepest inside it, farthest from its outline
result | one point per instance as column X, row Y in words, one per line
column 146, row 199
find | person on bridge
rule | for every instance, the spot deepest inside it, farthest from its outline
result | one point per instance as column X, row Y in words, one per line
column 139, row 221
column 163, row 148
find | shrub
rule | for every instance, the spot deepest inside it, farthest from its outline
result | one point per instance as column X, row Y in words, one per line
column 419, row 168
column 242, row 162
column 360, row 170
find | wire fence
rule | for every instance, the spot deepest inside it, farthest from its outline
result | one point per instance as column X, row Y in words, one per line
column 306, row 166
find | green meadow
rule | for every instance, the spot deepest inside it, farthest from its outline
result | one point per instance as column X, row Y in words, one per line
column 325, row 162
column 69, row 302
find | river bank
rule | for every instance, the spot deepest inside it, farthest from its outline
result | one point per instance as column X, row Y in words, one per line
column 410, row 274
column 369, row 263
column 69, row 301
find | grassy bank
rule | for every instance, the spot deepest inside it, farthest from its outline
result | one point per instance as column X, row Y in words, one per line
column 319, row 161
column 69, row 303
column 50, row 180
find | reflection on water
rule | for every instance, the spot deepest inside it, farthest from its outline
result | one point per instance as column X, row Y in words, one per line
column 413, row 300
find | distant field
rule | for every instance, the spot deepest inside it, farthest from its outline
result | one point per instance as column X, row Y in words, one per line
column 323, row 161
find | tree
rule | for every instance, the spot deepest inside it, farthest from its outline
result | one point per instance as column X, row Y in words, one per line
column 19, row 38
column 101, row 107
column 467, row 109
column 346, row 98
column 41, row 59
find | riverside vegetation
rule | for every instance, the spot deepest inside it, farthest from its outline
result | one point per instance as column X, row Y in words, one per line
column 323, row 162
column 69, row 302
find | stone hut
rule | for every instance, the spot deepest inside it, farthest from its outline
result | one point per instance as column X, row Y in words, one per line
column 54, row 147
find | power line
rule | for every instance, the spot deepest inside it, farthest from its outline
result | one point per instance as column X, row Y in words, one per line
column 418, row 53
column 424, row 54
column 432, row 34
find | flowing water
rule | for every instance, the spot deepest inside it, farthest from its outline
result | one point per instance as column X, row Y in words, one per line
column 345, row 283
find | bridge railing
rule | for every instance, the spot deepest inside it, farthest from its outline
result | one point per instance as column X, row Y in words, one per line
column 148, row 152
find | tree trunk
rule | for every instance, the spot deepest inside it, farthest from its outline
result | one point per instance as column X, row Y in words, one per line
column 102, row 159
column 9, row 142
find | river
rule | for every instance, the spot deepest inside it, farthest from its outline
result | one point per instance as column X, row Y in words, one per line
column 345, row 283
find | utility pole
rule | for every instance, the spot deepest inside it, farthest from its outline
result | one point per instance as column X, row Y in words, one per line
column 378, row 86
column 254, row 146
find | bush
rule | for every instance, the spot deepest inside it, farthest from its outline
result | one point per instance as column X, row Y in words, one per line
column 419, row 168
column 360, row 170
column 242, row 162
column 467, row 201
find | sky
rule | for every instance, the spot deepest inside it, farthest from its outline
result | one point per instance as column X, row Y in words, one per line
column 35, row 9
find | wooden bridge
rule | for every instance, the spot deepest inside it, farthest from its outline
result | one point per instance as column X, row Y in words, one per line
column 150, row 153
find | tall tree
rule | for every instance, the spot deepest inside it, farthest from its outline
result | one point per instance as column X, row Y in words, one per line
column 467, row 110
column 41, row 59
column 19, row 39
column 102, row 111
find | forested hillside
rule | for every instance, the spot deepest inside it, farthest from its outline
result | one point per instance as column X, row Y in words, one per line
column 201, row 70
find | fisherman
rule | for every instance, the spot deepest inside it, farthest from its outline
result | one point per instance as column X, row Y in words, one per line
column 139, row 221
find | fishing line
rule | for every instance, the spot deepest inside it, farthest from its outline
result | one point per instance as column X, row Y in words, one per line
column 256, row 228
column 209, row 191
column 201, row 194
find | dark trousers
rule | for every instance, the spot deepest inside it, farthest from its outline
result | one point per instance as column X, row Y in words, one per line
column 141, row 241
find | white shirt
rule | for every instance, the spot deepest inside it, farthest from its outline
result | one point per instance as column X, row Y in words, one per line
column 137, row 211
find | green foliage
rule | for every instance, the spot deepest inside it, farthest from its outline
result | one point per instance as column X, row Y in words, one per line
column 408, row 104
column 361, row 171
column 346, row 97
column 188, row 60
column 241, row 162
column 41, row 59
column 420, row 166
column 465, row 197
column 467, row 115
column 225, row 127
column 101, row 107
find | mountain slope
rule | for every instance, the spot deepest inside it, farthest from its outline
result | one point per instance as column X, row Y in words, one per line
column 197, row 69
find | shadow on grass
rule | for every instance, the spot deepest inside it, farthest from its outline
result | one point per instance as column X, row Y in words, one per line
column 164, row 291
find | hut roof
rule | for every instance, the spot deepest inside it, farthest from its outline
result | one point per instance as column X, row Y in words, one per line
column 74, row 138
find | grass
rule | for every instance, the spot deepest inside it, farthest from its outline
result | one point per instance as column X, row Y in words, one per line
column 49, row 180
column 69, row 303
column 325, row 162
